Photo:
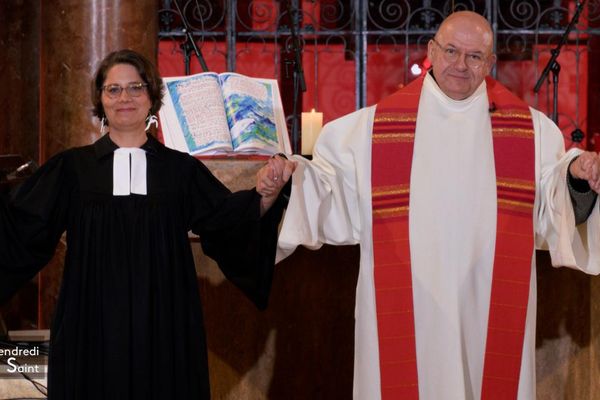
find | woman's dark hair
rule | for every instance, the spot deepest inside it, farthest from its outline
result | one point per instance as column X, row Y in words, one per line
column 145, row 68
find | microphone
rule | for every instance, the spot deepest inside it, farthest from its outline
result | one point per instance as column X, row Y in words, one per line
column 492, row 107
column 577, row 136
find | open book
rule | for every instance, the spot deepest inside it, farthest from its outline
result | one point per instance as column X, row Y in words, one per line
column 211, row 113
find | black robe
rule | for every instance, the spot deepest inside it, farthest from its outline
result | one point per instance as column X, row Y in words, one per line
column 128, row 323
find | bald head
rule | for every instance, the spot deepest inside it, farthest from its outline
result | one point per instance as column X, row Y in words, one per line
column 464, row 23
column 461, row 53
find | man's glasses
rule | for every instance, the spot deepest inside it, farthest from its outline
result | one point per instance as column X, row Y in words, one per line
column 133, row 89
column 452, row 54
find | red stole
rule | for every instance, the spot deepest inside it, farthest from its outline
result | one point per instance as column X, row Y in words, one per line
column 514, row 154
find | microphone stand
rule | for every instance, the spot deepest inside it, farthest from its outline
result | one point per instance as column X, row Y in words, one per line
column 299, row 82
column 553, row 64
column 189, row 45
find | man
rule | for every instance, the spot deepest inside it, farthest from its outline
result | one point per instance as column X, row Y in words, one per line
column 447, row 186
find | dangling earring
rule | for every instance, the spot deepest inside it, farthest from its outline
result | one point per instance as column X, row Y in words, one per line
column 151, row 120
column 103, row 126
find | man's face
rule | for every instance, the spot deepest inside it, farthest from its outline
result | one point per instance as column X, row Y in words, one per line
column 461, row 56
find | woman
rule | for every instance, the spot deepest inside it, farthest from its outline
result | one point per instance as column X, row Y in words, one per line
column 128, row 322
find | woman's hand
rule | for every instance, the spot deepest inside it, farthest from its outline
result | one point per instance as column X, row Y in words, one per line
column 271, row 178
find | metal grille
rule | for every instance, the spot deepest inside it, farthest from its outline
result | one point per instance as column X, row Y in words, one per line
column 228, row 26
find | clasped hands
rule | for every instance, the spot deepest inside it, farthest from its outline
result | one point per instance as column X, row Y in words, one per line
column 271, row 178
column 587, row 167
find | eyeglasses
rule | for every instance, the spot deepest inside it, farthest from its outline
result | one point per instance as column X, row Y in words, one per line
column 452, row 54
column 133, row 89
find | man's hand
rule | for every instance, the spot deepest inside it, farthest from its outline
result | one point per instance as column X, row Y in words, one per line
column 587, row 166
column 271, row 178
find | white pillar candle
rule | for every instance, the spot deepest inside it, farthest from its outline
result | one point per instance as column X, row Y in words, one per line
column 311, row 126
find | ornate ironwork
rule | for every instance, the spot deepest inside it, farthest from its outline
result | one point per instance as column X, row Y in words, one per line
column 401, row 26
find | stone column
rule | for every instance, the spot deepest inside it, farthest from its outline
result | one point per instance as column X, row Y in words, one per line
column 19, row 77
column 76, row 36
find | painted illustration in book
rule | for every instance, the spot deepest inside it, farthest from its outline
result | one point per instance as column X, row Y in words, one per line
column 213, row 113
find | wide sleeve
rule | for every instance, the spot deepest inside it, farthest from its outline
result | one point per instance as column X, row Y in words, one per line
column 233, row 233
column 570, row 245
column 31, row 224
column 325, row 201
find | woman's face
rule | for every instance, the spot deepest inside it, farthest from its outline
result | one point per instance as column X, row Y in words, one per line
column 127, row 110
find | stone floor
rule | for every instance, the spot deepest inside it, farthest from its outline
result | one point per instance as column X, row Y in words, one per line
column 20, row 389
